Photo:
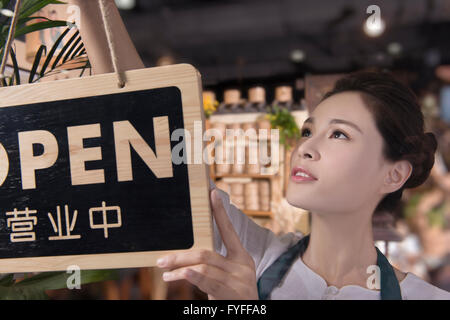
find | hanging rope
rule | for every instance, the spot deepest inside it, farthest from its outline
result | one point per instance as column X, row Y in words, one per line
column 121, row 81
column 12, row 31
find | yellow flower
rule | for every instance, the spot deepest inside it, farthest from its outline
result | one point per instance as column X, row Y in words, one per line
column 209, row 106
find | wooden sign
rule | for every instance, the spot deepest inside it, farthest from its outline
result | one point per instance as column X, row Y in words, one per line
column 86, row 174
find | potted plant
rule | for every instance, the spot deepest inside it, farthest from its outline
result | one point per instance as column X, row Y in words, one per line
column 283, row 120
column 71, row 56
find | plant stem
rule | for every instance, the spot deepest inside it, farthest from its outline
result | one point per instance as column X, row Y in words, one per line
column 11, row 33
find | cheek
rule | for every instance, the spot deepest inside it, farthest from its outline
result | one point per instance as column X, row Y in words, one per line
column 352, row 184
column 343, row 176
column 345, row 181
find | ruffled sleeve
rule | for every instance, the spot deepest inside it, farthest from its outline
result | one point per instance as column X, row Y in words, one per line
column 415, row 288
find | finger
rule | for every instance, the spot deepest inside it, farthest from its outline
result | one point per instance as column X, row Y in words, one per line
column 212, row 287
column 184, row 259
column 209, row 279
column 226, row 229
column 204, row 269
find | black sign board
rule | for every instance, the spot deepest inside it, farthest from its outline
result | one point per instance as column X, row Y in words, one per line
column 86, row 176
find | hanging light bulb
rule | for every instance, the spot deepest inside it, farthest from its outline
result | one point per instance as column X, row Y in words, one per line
column 374, row 25
column 297, row 55
column 126, row 4
column 394, row 48
column 7, row 13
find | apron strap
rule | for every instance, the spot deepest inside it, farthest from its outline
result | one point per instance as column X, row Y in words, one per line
column 274, row 274
column 390, row 288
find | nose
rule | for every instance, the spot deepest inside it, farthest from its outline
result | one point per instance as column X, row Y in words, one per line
column 306, row 150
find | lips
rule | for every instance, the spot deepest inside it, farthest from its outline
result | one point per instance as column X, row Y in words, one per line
column 295, row 177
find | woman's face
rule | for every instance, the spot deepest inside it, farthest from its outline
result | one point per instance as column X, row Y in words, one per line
column 342, row 148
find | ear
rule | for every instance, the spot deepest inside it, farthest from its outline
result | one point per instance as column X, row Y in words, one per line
column 396, row 176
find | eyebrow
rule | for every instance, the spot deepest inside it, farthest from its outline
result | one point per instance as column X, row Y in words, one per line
column 341, row 121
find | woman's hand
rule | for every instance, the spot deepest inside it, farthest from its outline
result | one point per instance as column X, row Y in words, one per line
column 226, row 278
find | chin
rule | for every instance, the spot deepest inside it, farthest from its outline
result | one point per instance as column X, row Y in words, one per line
column 298, row 203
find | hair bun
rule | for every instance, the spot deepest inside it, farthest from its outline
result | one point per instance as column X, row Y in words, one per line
column 430, row 141
column 422, row 158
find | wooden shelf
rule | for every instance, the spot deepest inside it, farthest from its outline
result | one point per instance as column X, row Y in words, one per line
column 274, row 178
column 257, row 213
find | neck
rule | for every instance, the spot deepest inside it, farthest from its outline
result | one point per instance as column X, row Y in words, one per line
column 341, row 248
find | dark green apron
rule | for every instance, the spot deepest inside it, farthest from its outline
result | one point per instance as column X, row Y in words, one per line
column 274, row 274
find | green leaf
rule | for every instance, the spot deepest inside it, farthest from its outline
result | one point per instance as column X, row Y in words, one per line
column 24, row 21
column 78, row 67
column 63, row 50
column 21, row 28
column 91, row 276
column 77, row 51
column 52, row 51
column 45, row 281
column 30, row 7
column 11, row 80
column 37, row 60
column 72, row 48
column 4, row 3
column 411, row 205
column 15, row 66
column 58, row 280
column 18, row 293
column 35, row 286
column 285, row 122
column 87, row 65
column 39, row 26
column 7, row 279
column 436, row 216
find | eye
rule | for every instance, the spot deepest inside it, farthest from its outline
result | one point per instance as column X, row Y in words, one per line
column 338, row 133
column 305, row 130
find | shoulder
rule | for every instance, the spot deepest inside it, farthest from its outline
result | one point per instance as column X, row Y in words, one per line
column 415, row 288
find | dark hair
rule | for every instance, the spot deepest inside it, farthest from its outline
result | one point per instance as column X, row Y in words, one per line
column 400, row 121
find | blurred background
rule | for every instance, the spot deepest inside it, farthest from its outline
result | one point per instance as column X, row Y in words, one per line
column 266, row 64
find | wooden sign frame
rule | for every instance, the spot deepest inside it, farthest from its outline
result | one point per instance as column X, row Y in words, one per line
column 183, row 76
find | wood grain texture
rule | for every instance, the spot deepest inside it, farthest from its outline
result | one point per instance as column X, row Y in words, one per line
column 184, row 77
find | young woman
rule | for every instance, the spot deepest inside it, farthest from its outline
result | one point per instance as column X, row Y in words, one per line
column 360, row 147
